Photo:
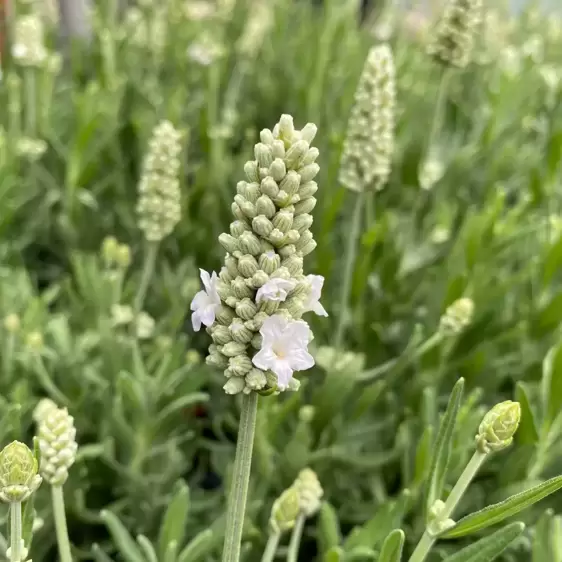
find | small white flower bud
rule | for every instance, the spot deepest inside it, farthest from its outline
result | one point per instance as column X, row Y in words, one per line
column 309, row 172
column 285, row 511
column 237, row 212
column 308, row 132
column 57, row 442
column 310, row 247
column 224, row 315
column 310, row 491
column 225, row 276
column 234, row 385
column 232, row 265
column 291, row 183
column 255, row 379
column 277, row 170
column 276, row 237
column 250, row 244
column 269, row 187
column 304, row 239
column 308, row 190
column 294, row 264
column 240, row 289
column 238, row 227
column 283, row 221
column 44, row 406
column 287, row 251
column 499, row 426
column 266, row 137
column 240, row 332
column 240, row 365
column 278, row 149
column 18, row 473
column 28, row 47
column 457, row 317
column 265, row 206
column 262, row 226
column 246, row 309
column 259, row 279
column 247, row 265
column 296, row 154
column 229, row 243
column 285, row 129
column 269, row 262
column 311, row 156
column 268, row 306
column 251, row 170
column 292, row 237
column 302, row 222
column 220, row 334
column 232, row 349
column 217, row 359
column 306, row 206
column 12, row 323
column 263, row 155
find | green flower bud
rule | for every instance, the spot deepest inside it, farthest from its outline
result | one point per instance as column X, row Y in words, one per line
column 291, row 183
column 123, row 256
column 231, row 301
column 277, row 170
column 240, row 365
column 248, row 209
column 34, row 341
column 305, row 206
column 238, row 227
column 234, row 385
column 229, row 243
column 457, row 317
column 255, row 379
column 287, row 251
column 294, row 306
column 281, row 273
column 292, row 237
column 57, row 442
column 237, row 212
column 192, row 357
column 246, row 309
column 232, row 265
column 239, row 332
column 283, row 221
column 256, row 323
column 276, row 237
column 223, row 290
column 278, row 149
column 265, row 206
column 269, row 187
column 109, row 248
column 285, row 511
column 12, row 323
column 233, row 349
column 256, row 341
column 240, row 289
column 18, row 473
column 220, row 334
column 304, row 239
column 247, row 265
column 308, row 172
column 250, row 244
column 306, row 413
column 262, row 226
column 296, row 154
column 302, row 222
column 259, row 279
column 252, row 192
column 225, row 277
column 310, row 247
column 251, row 170
column 310, row 491
column 269, row 262
column 294, row 264
column 269, row 307
column 224, row 315
column 217, row 359
column 499, row 426
column 263, row 155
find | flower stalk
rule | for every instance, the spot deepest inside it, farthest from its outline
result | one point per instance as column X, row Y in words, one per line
column 61, row 527
column 296, row 538
column 16, row 551
column 240, row 479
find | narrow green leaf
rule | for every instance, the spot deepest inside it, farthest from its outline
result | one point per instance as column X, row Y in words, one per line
column 361, row 554
column 391, row 550
column 553, row 262
column 489, row 548
column 443, row 445
column 200, row 546
column 498, row 512
column 527, row 432
column 173, row 525
column 99, row 555
column 542, row 545
column 333, row 555
column 329, row 534
column 147, row 548
column 28, row 518
column 423, row 451
column 171, row 554
column 552, row 384
column 123, row 540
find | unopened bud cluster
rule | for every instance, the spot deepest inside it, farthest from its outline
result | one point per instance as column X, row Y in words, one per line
column 369, row 146
column 18, row 473
column 115, row 254
column 29, row 44
column 285, row 511
column 453, row 39
column 253, row 309
column 498, row 427
column 159, row 206
column 310, row 492
column 57, row 442
column 457, row 317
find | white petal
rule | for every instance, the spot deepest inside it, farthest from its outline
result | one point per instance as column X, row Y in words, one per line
column 200, row 300
column 299, row 333
column 272, row 328
column 196, row 321
column 206, row 280
column 264, row 358
column 284, row 373
column 207, row 314
column 319, row 309
column 301, row 360
column 213, row 283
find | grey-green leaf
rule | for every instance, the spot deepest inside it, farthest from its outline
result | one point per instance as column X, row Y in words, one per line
column 125, row 543
column 527, row 432
column 173, row 526
column 552, row 384
column 443, row 445
column 496, row 513
column 542, row 544
column 329, row 533
column 488, row 548
column 147, row 548
column 199, row 547
column 392, row 547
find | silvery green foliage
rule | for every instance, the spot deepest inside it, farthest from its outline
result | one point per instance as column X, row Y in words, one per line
column 57, row 442
column 369, row 146
column 262, row 279
column 159, row 207
column 453, row 37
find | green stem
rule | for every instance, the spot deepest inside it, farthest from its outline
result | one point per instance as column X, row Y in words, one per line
column 428, row 539
column 60, row 524
column 350, row 257
column 31, row 102
column 296, row 537
column 271, row 546
column 240, row 479
column 147, row 272
column 15, row 532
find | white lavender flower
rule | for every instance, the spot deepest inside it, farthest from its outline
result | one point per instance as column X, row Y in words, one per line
column 453, row 37
column 253, row 309
column 159, row 207
column 369, row 146
column 57, row 442
column 28, row 48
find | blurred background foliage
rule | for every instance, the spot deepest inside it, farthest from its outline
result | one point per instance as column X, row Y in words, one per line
column 155, row 429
